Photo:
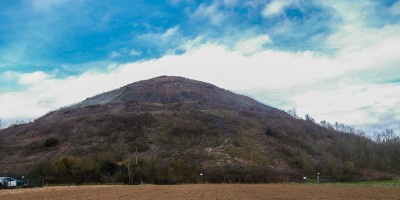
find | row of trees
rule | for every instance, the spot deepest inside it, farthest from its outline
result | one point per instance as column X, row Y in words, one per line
column 377, row 150
column 73, row 170
column 152, row 170
column 13, row 124
column 387, row 135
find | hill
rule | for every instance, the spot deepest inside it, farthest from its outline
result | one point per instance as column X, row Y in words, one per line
column 169, row 129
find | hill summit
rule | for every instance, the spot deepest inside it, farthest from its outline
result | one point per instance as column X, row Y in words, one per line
column 169, row 129
column 167, row 93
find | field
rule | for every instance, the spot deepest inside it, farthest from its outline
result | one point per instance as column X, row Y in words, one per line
column 205, row 191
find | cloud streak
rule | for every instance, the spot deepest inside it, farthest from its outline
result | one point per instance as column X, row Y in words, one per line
column 276, row 7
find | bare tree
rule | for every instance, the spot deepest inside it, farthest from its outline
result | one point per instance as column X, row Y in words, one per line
column 293, row 112
column 1, row 124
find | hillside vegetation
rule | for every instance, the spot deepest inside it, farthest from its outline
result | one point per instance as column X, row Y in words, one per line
column 168, row 130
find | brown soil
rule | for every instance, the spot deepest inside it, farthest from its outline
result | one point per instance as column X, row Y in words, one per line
column 203, row 191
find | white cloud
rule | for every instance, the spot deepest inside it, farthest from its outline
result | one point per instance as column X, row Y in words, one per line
column 210, row 12
column 9, row 75
column 170, row 33
column 253, row 3
column 275, row 7
column 361, row 105
column 127, row 52
column 354, row 37
column 45, row 93
column 354, row 31
column 252, row 45
column 395, row 8
column 169, row 39
column 114, row 54
column 361, row 45
column 32, row 78
column 134, row 52
column 230, row 3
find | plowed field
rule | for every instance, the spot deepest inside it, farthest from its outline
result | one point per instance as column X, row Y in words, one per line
column 204, row 191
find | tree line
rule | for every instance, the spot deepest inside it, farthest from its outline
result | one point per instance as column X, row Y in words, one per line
column 75, row 170
column 360, row 152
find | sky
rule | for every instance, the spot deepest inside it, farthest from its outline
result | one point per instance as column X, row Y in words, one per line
column 336, row 60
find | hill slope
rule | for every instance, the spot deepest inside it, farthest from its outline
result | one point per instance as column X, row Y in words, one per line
column 177, row 127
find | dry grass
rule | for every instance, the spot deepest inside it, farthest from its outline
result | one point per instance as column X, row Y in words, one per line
column 204, row 191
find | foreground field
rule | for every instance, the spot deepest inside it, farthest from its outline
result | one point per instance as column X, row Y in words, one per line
column 204, row 191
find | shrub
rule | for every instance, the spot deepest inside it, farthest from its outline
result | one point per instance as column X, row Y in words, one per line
column 51, row 142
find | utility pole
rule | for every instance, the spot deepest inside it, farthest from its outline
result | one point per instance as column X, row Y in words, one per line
column 136, row 156
column 129, row 172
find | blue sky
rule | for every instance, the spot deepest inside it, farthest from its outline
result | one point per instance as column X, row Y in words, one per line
column 336, row 60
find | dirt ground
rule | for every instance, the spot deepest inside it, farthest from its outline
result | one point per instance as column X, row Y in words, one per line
column 204, row 191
